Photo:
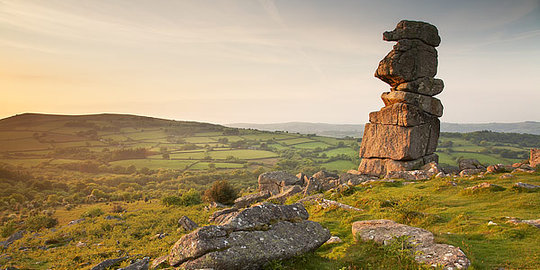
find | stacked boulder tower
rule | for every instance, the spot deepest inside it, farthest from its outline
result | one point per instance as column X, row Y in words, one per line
column 403, row 135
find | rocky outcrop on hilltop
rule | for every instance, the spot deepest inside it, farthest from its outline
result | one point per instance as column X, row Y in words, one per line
column 403, row 135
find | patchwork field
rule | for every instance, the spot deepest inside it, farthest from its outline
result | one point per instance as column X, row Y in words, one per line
column 129, row 178
column 34, row 140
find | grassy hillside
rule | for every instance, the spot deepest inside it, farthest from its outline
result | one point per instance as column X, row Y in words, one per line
column 132, row 177
column 124, row 140
column 112, row 143
column 456, row 217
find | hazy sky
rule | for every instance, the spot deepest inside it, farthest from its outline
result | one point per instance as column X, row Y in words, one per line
column 260, row 61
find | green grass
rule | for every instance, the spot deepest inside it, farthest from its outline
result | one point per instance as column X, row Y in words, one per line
column 341, row 151
column 26, row 162
column 329, row 140
column 339, row 165
column 203, row 140
column 310, row 145
column 218, row 165
column 244, row 154
column 455, row 218
column 154, row 163
column 295, row 141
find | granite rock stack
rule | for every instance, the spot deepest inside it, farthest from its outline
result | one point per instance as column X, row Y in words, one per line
column 403, row 135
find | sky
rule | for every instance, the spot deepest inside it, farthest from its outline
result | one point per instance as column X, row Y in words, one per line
column 265, row 61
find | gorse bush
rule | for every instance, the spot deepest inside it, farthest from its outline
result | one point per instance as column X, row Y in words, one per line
column 8, row 229
column 38, row 222
column 188, row 198
column 94, row 212
column 221, row 192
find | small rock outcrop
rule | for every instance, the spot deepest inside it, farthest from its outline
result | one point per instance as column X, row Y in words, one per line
column 484, row 187
column 12, row 238
column 534, row 158
column 422, row 242
column 251, row 239
column 160, row 261
column 274, row 182
column 403, row 135
column 187, row 224
column 532, row 222
column 223, row 216
column 106, row 264
column 250, row 199
column 525, row 187
column 470, row 164
column 140, row 264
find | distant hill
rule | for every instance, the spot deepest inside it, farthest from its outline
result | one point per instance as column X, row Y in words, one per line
column 352, row 130
column 321, row 129
column 28, row 120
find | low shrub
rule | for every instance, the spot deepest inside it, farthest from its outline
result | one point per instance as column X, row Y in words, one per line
column 38, row 222
column 94, row 212
column 188, row 198
column 221, row 192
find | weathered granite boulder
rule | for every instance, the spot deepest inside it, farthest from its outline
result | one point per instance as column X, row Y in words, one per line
column 428, row 104
column 497, row 168
column 406, row 29
column 400, row 114
column 484, row 187
column 313, row 185
column 421, row 242
column 161, row 261
column 399, row 143
column 408, row 61
column 354, row 179
column 426, row 86
column 507, row 176
column 334, row 240
column 470, row 163
column 381, row 166
column 534, row 158
column 12, row 238
column 287, row 192
column 140, row 264
column 223, row 216
column 410, row 175
column 532, row 222
column 275, row 181
column 106, row 264
column 302, row 178
column 525, row 187
column 325, row 175
column 187, row 224
column 255, row 237
column 470, row 172
column 250, row 199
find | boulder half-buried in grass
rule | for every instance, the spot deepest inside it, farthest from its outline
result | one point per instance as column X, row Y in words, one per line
column 421, row 242
column 249, row 240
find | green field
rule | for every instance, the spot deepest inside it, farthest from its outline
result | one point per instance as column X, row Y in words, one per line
column 47, row 137
column 62, row 168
